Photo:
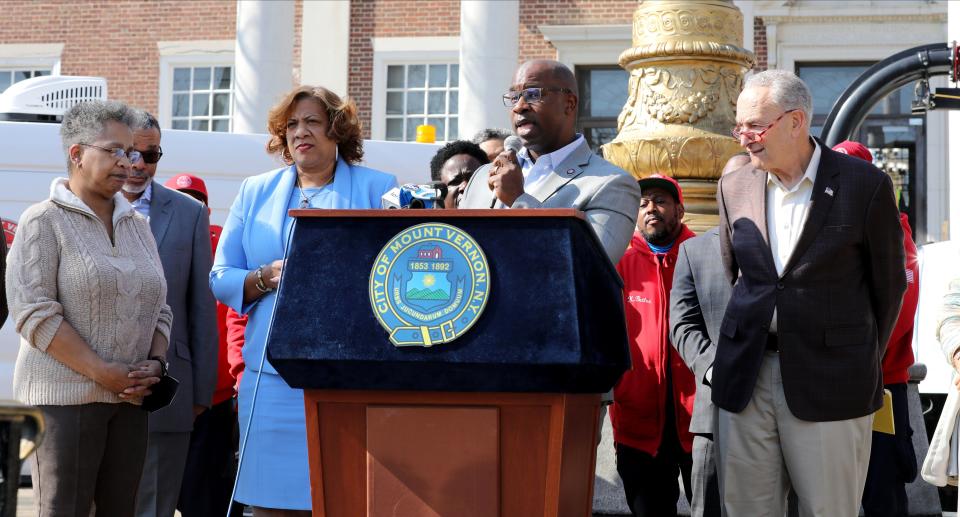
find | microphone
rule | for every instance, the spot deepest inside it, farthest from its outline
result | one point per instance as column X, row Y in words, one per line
column 513, row 143
column 412, row 195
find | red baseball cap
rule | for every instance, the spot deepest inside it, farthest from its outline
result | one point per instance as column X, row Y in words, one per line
column 665, row 182
column 854, row 149
column 188, row 182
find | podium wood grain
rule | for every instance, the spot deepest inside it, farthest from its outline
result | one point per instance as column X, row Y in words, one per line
column 511, row 454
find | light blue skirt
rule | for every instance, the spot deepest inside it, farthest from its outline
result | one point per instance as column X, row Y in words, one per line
column 275, row 472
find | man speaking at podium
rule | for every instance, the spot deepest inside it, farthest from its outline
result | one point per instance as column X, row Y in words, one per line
column 555, row 167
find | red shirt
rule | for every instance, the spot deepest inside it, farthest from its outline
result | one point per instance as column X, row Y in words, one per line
column 224, row 389
column 639, row 397
column 236, row 327
column 899, row 354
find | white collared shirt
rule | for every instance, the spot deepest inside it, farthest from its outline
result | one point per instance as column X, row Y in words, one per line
column 142, row 203
column 787, row 210
column 534, row 173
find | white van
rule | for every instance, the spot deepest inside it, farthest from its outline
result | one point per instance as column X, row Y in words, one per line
column 31, row 157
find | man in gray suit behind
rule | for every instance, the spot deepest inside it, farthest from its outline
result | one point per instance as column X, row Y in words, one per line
column 556, row 168
column 698, row 300
column 181, row 227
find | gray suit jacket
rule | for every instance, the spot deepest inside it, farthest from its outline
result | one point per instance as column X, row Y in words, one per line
column 181, row 227
column 698, row 300
column 608, row 195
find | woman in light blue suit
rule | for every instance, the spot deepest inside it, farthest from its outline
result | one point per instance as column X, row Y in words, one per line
column 319, row 135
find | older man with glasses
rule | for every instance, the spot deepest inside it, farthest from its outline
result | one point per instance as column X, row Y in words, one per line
column 555, row 168
column 181, row 227
column 811, row 241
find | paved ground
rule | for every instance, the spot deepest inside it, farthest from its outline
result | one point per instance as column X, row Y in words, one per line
column 25, row 503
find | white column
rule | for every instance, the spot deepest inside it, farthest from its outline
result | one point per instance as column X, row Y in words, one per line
column 953, row 133
column 746, row 8
column 325, row 45
column 772, row 46
column 489, row 49
column 263, row 69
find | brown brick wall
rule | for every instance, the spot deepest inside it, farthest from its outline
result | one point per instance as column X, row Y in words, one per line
column 760, row 44
column 566, row 12
column 117, row 39
column 390, row 19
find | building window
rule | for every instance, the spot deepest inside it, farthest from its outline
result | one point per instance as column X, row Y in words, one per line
column 603, row 92
column 422, row 94
column 196, row 85
column 202, row 98
column 15, row 75
column 827, row 81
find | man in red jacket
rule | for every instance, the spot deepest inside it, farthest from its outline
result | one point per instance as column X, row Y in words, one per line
column 653, row 401
column 893, row 462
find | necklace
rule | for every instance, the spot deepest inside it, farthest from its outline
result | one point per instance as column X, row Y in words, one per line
column 304, row 199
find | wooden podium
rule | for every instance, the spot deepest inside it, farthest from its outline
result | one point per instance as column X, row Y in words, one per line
column 503, row 421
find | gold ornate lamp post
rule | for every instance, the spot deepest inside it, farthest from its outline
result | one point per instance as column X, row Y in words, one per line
column 686, row 71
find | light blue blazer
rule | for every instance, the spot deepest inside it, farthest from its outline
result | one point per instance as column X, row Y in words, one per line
column 256, row 233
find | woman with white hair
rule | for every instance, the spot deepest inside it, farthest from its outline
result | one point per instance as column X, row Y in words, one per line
column 87, row 295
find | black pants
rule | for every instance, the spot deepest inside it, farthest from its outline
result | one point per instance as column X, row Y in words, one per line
column 650, row 482
column 211, row 464
column 893, row 463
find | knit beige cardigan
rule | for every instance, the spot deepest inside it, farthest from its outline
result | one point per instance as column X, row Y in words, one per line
column 63, row 267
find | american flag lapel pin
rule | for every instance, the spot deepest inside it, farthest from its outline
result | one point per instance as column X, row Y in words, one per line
column 829, row 191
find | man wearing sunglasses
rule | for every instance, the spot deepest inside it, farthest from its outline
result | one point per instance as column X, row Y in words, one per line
column 555, row 168
column 181, row 228
column 811, row 241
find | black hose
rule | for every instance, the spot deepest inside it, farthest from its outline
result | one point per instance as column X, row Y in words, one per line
column 877, row 82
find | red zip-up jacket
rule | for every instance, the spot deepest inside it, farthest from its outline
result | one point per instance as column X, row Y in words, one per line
column 899, row 354
column 236, row 328
column 224, row 389
column 638, row 407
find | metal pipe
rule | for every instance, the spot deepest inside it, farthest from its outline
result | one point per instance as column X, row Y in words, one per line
column 876, row 82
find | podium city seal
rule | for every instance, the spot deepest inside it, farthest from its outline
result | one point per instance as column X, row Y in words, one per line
column 429, row 285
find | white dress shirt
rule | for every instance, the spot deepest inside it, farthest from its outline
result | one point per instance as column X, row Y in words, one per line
column 536, row 172
column 787, row 210
column 142, row 203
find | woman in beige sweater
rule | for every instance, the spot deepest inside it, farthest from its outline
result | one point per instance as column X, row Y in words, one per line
column 87, row 295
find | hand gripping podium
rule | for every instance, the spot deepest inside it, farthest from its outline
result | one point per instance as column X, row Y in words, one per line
column 500, row 421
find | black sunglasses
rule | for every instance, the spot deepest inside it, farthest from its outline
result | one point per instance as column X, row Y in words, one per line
column 151, row 156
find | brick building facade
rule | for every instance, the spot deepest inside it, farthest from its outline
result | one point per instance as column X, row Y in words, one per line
column 399, row 59
column 118, row 40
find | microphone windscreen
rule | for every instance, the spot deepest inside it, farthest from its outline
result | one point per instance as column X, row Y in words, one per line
column 391, row 199
column 441, row 188
column 513, row 143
